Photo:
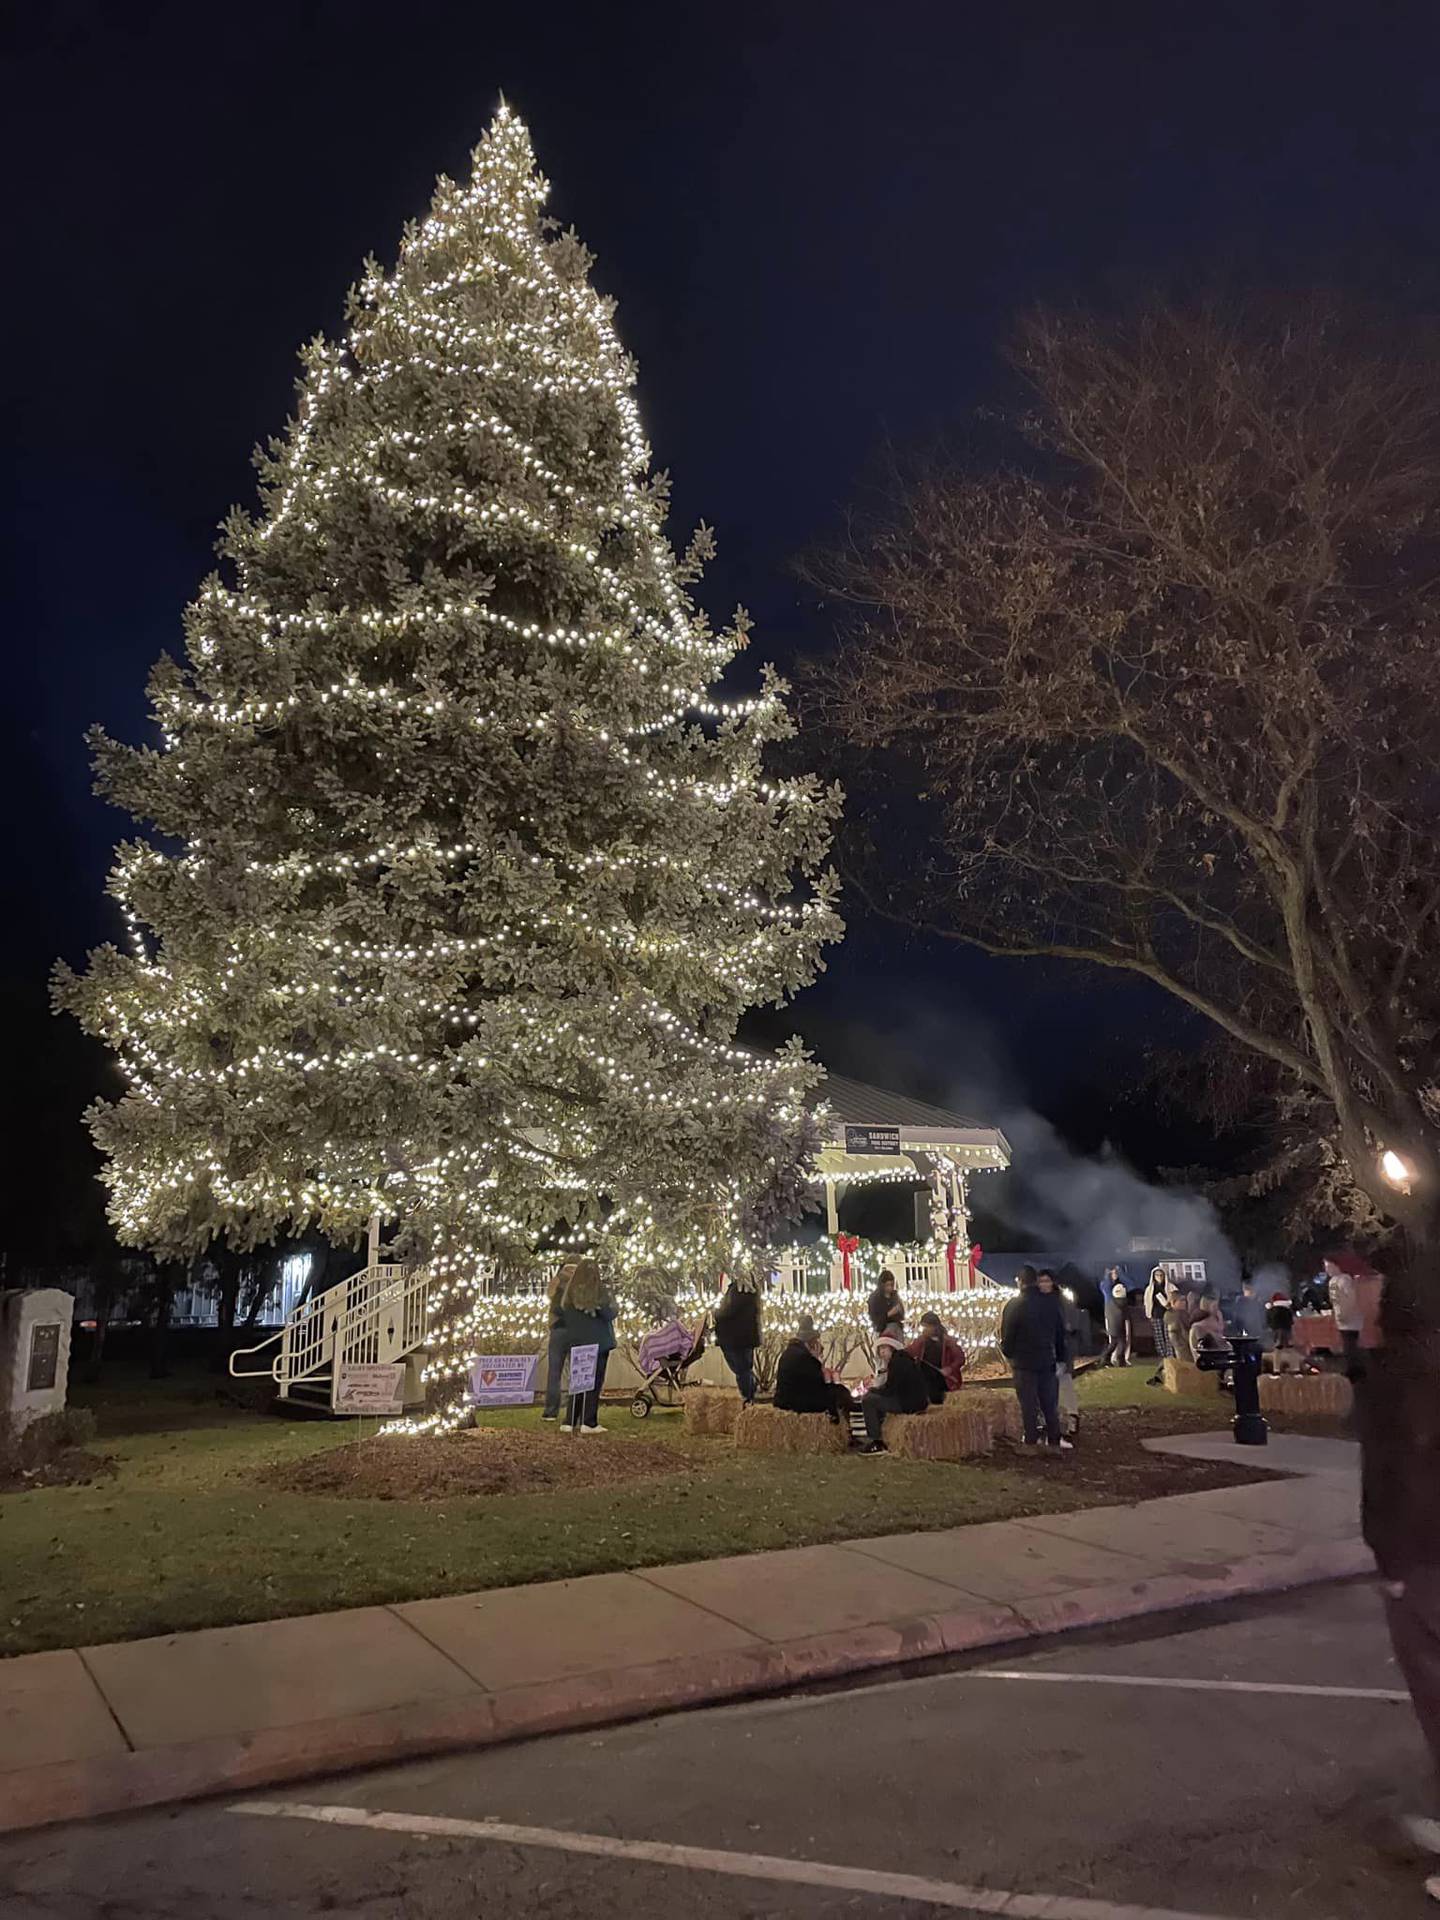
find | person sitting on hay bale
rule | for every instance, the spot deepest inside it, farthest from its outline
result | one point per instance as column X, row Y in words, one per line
column 899, row 1387
column 940, row 1358
column 800, row 1383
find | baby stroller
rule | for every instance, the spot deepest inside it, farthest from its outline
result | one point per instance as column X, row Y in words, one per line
column 665, row 1355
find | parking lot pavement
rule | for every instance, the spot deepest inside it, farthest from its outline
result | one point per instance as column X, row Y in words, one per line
column 1232, row 1769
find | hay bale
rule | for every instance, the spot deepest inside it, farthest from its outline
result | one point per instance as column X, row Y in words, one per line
column 946, row 1432
column 996, row 1405
column 711, row 1411
column 767, row 1430
column 1183, row 1376
column 1307, row 1393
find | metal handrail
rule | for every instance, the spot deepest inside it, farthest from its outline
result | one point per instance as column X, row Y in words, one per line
column 342, row 1326
column 244, row 1353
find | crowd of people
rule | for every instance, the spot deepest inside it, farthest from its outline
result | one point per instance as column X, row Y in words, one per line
column 1388, row 1349
column 1042, row 1332
column 910, row 1375
column 1186, row 1322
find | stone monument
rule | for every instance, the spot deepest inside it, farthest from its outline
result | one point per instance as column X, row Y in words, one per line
column 34, row 1353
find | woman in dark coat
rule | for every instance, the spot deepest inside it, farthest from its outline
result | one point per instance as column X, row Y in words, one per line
column 885, row 1307
column 582, row 1314
column 800, row 1383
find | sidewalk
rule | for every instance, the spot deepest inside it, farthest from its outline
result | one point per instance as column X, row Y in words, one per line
column 138, row 1723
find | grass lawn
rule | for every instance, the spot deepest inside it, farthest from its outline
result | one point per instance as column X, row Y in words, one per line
column 1127, row 1387
column 183, row 1537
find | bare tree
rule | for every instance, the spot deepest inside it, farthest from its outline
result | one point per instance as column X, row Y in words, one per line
column 1170, row 685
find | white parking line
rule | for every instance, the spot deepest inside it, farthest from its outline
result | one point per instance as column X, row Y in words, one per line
column 738, row 1866
column 1392, row 1694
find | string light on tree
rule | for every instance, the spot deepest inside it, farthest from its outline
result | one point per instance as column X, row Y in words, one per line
column 463, row 871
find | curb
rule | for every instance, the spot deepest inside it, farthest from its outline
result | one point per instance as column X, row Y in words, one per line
column 124, row 1783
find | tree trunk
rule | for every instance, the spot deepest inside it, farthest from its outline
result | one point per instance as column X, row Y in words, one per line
column 97, row 1343
column 229, row 1263
column 167, row 1278
column 1398, row 1410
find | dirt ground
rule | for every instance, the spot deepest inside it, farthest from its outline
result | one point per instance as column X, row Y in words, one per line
column 479, row 1461
column 76, row 1467
column 1110, row 1463
column 1108, row 1466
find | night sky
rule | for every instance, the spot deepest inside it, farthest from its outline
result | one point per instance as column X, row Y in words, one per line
column 818, row 221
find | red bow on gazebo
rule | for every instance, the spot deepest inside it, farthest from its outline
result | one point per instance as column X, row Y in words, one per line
column 848, row 1243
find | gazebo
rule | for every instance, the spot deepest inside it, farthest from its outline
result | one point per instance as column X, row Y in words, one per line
column 874, row 1136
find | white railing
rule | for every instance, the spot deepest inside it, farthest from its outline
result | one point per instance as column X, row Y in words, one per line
column 374, row 1317
column 384, row 1318
column 820, row 1269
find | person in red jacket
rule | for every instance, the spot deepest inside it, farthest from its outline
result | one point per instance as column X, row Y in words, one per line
column 940, row 1358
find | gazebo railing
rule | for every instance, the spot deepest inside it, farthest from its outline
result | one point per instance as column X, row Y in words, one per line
column 819, row 1269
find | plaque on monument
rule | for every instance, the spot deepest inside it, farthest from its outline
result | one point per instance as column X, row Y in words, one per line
column 34, row 1352
column 44, row 1356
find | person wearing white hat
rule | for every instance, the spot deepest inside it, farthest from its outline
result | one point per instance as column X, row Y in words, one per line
column 1118, row 1332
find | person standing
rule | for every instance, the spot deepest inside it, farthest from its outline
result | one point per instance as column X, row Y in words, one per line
column 1032, row 1339
column 1157, row 1305
column 1355, row 1289
column 885, row 1307
column 737, row 1334
column 582, row 1314
column 1077, row 1323
column 558, row 1346
column 899, row 1388
column 1118, row 1337
column 1250, row 1317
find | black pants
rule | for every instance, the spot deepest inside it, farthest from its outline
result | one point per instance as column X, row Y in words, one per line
column 588, row 1404
column 876, row 1404
column 1039, row 1397
column 838, row 1402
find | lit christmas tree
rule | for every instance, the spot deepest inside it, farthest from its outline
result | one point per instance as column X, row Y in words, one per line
column 462, row 879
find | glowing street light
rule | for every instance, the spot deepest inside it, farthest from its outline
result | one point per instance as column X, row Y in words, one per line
column 1395, row 1168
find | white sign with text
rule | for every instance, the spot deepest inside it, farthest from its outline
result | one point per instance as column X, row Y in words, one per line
column 369, row 1388
column 583, row 1362
column 503, row 1379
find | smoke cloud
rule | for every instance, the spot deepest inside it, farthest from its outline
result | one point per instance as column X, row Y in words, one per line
column 1095, row 1209
column 1098, row 1210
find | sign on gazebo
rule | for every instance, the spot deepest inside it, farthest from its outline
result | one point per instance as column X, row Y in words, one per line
column 872, row 1139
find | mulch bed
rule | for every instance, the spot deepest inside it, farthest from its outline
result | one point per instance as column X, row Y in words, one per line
column 479, row 1461
column 1110, row 1462
column 73, row 1468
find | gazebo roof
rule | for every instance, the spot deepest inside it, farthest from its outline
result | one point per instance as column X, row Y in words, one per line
column 856, row 1104
column 908, row 1126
